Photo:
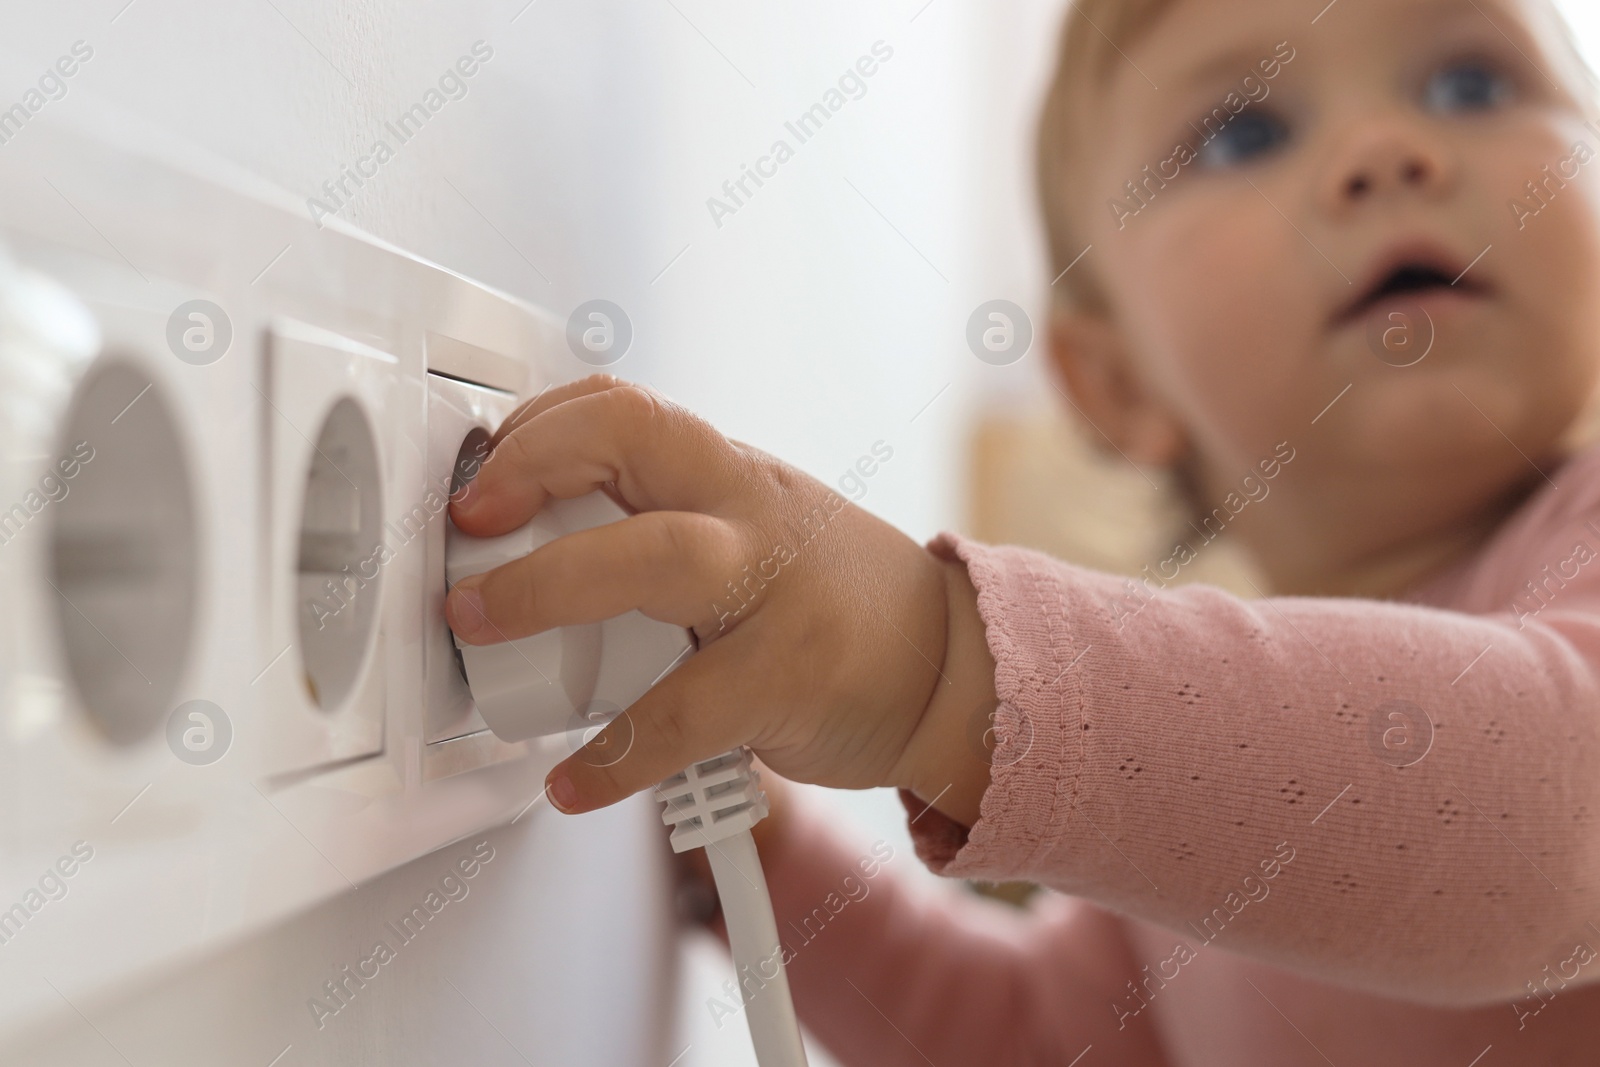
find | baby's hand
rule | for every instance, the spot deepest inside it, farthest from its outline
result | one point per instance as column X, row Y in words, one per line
column 821, row 628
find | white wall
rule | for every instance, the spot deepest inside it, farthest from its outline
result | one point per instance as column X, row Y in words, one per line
column 579, row 163
column 1585, row 21
column 822, row 317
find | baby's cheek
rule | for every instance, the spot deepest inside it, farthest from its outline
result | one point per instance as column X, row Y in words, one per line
column 1569, row 246
column 1540, row 190
column 1564, row 277
column 1226, row 298
column 1545, row 194
column 1535, row 170
column 1208, row 302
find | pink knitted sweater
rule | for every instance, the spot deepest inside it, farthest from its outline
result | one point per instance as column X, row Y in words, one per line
column 1285, row 831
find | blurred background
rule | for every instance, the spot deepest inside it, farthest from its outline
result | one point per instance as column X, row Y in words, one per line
column 821, row 312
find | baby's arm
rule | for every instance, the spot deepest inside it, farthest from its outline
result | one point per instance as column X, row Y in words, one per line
column 1159, row 760
column 1153, row 756
column 886, row 975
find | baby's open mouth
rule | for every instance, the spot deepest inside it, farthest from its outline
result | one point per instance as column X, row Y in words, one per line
column 1412, row 278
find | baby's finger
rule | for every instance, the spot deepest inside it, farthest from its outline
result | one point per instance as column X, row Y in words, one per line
column 667, row 564
column 698, row 711
column 552, row 395
column 547, row 398
column 659, row 455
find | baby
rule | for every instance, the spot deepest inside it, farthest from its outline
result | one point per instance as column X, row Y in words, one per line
column 1353, row 251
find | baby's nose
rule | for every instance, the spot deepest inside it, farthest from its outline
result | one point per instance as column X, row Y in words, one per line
column 1412, row 170
column 1382, row 160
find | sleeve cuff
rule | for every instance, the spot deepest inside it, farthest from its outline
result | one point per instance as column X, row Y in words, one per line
column 935, row 836
column 1035, row 765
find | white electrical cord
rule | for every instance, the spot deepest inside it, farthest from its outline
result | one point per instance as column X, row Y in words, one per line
column 713, row 805
column 602, row 668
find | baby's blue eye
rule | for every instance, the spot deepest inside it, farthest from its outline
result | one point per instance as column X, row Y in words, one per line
column 1249, row 134
column 1466, row 86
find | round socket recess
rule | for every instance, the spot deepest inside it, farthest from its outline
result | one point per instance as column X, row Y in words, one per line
column 339, row 569
column 474, row 450
column 123, row 550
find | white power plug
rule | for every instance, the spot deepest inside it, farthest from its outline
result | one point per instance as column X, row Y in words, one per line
column 580, row 678
column 572, row 677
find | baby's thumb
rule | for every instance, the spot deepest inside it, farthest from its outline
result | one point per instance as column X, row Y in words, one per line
column 700, row 710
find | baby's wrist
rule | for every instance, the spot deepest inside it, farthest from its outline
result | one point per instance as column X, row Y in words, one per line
column 946, row 761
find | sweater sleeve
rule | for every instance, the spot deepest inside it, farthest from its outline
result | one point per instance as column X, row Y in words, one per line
column 886, row 974
column 1421, row 784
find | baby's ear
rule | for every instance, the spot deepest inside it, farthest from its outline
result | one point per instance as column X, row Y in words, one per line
column 1090, row 357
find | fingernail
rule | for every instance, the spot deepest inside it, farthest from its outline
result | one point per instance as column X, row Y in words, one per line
column 563, row 794
column 465, row 607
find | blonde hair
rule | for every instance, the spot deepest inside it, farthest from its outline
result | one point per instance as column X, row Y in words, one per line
column 1091, row 34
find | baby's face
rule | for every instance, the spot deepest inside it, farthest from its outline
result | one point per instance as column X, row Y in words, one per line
column 1354, row 216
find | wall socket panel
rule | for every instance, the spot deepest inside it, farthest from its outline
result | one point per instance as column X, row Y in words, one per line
column 224, row 669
